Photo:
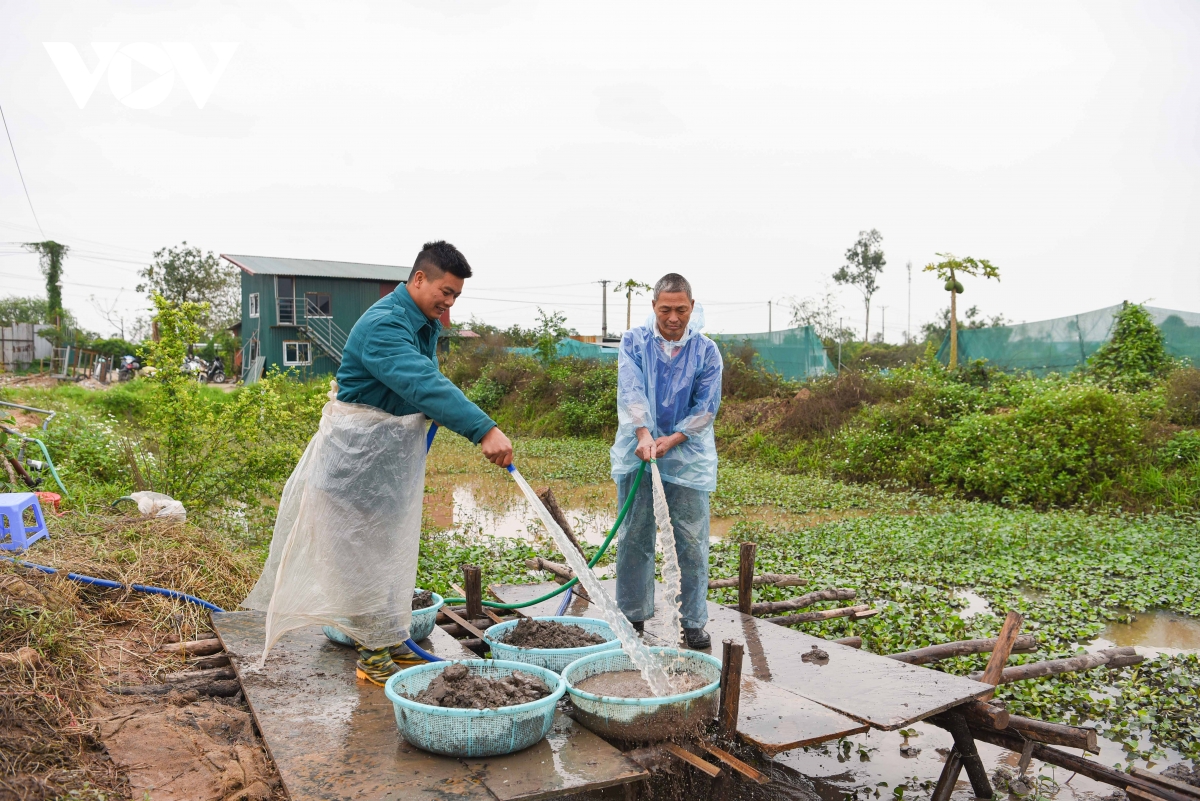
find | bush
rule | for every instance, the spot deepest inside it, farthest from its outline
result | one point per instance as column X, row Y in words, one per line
column 1055, row 450
column 1136, row 355
column 1183, row 397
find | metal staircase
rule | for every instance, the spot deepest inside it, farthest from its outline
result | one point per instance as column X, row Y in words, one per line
column 321, row 329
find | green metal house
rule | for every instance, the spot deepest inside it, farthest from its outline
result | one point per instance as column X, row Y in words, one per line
column 296, row 313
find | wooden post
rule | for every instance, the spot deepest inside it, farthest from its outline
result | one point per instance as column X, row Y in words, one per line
column 473, row 586
column 746, row 577
column 731, row 687
column 964, row 745
column 551, row 504
column 1005, row 641
column 948, row 777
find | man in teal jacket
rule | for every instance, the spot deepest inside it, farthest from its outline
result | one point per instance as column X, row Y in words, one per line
column 390, row 362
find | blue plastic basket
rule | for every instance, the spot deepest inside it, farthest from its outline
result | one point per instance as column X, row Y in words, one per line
column 550, row 658
column 472, row 732
column 644, row 719
column 423, row 621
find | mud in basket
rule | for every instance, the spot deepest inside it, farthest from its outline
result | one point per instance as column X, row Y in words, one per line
column 472, row 732
column 423, row 621
column 550, row 658
column 641, row 720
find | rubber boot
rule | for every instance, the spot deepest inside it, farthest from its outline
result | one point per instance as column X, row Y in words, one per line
column 375, row 666
column 696, row 639
column 403, row 657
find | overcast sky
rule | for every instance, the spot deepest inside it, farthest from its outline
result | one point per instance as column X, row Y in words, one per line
column 744, row 145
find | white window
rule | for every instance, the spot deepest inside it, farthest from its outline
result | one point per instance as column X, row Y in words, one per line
column 253, row 304
column 297, row 353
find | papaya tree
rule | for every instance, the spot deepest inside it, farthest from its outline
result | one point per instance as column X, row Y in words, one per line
column 948, row 270
column 630, row 288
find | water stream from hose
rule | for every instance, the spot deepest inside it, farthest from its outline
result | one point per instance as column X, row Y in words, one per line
column 672, row 576
column 639, row 654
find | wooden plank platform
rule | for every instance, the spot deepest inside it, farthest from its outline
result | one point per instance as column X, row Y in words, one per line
column 334, row 737
column 870, row 688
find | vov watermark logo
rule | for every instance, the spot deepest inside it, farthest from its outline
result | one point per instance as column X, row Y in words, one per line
column 165, row 61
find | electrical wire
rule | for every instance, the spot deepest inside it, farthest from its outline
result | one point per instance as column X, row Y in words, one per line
column 13, row 148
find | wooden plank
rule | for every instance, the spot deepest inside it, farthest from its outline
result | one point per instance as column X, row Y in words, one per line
column 334, row 737
column 330, row 735
column 746, row 577
column 868, row 687
column 735, row 763
column 462, row 622
column 731, row 687
column 570, row 760
column 696, row 762
column 775, row 719
column 1166, row 781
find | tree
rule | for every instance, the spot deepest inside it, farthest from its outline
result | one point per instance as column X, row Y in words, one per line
column 823, row 313
column 864, row 263
column 15, row 309
column 51, row 255
column 948, row 269
column 630, row 288
column 549, row 330
column 938, row 329
column 188, row 275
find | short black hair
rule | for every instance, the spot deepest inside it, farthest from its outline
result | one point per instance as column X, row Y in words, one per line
column 672, row 282
column 438, row 258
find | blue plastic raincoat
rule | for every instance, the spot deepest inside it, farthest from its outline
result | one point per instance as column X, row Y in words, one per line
column 669, row 387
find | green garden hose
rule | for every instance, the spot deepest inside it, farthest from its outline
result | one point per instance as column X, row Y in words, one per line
column 637, row 479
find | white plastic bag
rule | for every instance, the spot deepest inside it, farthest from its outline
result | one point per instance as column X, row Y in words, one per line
column 155, row 504
column 344, row 552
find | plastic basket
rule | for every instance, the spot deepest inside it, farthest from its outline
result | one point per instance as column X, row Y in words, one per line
column 423, row 621
column 472, row 732
column 550, row 658
column 644, row 719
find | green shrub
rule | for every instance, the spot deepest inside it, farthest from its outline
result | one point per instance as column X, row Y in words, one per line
column 1136, row 355
column 86, row 446
column 1052, row 451
column 1183, row 397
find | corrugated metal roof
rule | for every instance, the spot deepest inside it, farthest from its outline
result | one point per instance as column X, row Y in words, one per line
column 318, row 268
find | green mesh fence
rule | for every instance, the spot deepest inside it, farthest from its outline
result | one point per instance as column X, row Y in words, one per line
column 574, row 348
column 794, row 353
column 1063, row 344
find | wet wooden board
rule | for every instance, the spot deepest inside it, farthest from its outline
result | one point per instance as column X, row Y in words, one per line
column 770, row 717
column 571, row 759
column 334, row 737
column 870, row 688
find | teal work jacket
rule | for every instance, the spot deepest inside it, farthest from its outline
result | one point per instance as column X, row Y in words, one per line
column 390, row 362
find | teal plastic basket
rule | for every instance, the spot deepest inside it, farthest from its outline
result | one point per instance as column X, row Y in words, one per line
column 550, row 658
column 423, row 621
column 645, row 719
column 472, row 732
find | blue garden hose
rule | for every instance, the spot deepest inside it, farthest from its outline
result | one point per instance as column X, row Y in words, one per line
column 116, row 585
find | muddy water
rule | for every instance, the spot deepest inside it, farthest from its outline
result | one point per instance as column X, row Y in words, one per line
column 874, row 757
column 630, row 684
column 1157, row 632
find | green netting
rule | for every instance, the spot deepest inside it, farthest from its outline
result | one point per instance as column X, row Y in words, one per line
column 794, row 353
column 574, row 348
column 1063, row 344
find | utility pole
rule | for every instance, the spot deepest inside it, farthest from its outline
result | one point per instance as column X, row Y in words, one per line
column 768, row 316
column 604, row 308
column 883, row 324
column 908, row 326
column 839, row 333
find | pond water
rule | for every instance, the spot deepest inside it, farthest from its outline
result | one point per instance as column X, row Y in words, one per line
column 976, row 604
column 1155, row 632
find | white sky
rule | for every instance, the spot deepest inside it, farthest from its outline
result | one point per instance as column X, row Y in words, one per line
column 743, row 145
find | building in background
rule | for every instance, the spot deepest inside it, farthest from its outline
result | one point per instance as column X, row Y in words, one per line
column 296, row 313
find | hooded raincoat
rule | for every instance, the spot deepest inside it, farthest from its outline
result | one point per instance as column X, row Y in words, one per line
column 669, row 387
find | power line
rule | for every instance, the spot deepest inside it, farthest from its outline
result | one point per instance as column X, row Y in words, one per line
column 21, row 174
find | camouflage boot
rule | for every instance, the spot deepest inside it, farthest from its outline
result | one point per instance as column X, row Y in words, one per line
column 376, row 666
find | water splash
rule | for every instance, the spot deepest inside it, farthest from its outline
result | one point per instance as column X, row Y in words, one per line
column 639, row 654
column 672, row 576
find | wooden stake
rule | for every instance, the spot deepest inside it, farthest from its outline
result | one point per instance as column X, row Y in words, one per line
column 473, row 585
column 964, row 744
column 1111, row 657
column 735, row 763
column 696, row 762
column 1055, row 733
column 933, row 653
column 948, row 777
column 746, row 577
column 731, row 687
column 775, row 579
column 1005, row 641
column 193, row 648
column 852, row 642
column 551, row 504
column 808, row 599
column 827, row 614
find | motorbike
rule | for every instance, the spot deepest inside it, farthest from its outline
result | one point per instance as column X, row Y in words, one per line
column 128, row 368
column 215, row 372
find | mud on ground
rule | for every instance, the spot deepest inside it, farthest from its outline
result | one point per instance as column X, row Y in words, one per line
column 422, row 599
column 530, row 633
column 64, row 732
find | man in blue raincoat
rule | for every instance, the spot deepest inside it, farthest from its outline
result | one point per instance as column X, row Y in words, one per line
column 668, row 393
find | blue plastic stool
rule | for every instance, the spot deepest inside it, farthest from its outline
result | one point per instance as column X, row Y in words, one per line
column 14, row 534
